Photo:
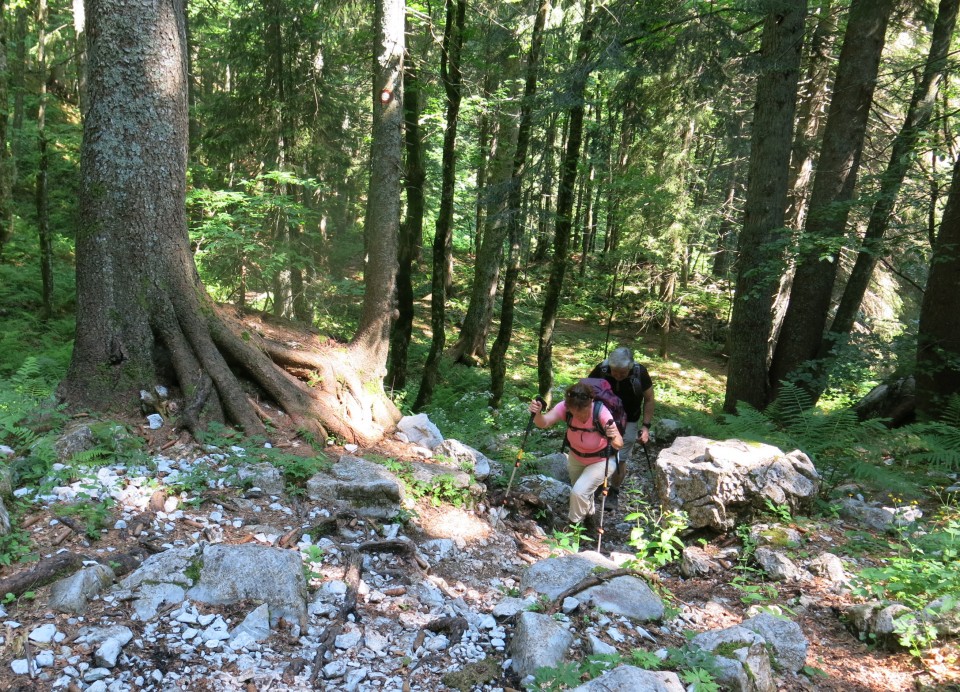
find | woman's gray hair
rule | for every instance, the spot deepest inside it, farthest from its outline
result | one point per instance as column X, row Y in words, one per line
column 620, row 358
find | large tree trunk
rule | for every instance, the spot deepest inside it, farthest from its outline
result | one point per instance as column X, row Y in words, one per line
column 371, row 343
column 143, row 317
column 762, row 237
column 452, row 82
column 938, row 337
column 833, row 187
column 411, row 230
column 902, row 152
column 568, row 177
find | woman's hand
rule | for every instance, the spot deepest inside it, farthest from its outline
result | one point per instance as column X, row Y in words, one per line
column 535, row 407
column 613, row 434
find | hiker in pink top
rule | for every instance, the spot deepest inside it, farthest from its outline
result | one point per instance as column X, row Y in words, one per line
column 587, row 459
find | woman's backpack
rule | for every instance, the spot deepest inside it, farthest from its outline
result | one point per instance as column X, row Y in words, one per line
column 602, row 396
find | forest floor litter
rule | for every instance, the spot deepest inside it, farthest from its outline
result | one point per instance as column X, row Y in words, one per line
column 420, row 613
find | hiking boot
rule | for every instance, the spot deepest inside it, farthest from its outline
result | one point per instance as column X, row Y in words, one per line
column 590, row 523
column 613, row 500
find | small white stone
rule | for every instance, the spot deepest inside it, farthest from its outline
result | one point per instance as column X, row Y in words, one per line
column 19, row 666
column 43, row 634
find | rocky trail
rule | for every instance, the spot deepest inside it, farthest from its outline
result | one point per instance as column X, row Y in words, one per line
column 353, row 584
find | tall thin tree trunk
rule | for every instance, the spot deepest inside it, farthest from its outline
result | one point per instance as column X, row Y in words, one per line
column 938, row 335
column 452, row 82
column 760, row 254
column 498, row 352
column 565, row 196
column 833, row 187
column 6, row 161
column 43, row 217
column 410, row 230
column 904, row 147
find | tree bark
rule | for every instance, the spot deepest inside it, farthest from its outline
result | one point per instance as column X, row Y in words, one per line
column 411, row 230
column 471, row 346
column 902, row 152
column 143, row 317
column 43, row 216
column 498, row 352
column 372, row 340
column 833, row 186
column 6, row 160
column 452, row 82
column 565, row 196
column 763, row 236
column 938, row 337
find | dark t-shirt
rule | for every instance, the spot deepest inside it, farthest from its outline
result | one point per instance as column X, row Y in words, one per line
column 630, row 389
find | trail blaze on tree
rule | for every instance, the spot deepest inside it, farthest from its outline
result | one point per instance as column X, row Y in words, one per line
column 143, row 315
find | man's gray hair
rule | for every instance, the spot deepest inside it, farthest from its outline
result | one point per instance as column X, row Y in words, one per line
column 620, row 358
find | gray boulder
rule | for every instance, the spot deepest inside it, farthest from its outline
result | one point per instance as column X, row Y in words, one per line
column 420, row 430
column 625, row 595
column 74, row 441
column 876, row 517
column 778, row 566
column 265, row 476
column 695, row 562
column 742, row 660
column 72, row 594
column 718, row 484
column 232, row 573
column 784, row 637
column 553, row 492
column 462, row 455
column 368, row 487
column 875, row 621
column 554, row 466
column 538, row 641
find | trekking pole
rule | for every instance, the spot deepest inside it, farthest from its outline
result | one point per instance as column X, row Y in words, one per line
column 526, row 433
column 647, row 455
column 603, row 495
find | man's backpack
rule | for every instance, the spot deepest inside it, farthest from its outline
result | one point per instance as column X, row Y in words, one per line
column 602, row 396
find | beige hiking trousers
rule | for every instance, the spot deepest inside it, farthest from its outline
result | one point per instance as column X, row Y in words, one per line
column 585, row 479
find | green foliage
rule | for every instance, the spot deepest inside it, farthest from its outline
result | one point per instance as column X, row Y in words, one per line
column 936, row 443
column 569, row 540
column 920, row 570
column 16, row 546
column 699, row 680
column 655, row 536
column 443, row 489
column 564, row 676
column 916, row 574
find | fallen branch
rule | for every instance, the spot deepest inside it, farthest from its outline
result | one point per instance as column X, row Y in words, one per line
column 593, row 580
column 45, row 572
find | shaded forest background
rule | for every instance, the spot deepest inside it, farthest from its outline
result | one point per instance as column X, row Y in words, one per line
column 605, row 160
column 761, row 196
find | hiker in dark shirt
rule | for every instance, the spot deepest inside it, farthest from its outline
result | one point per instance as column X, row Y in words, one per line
column 631, row 382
